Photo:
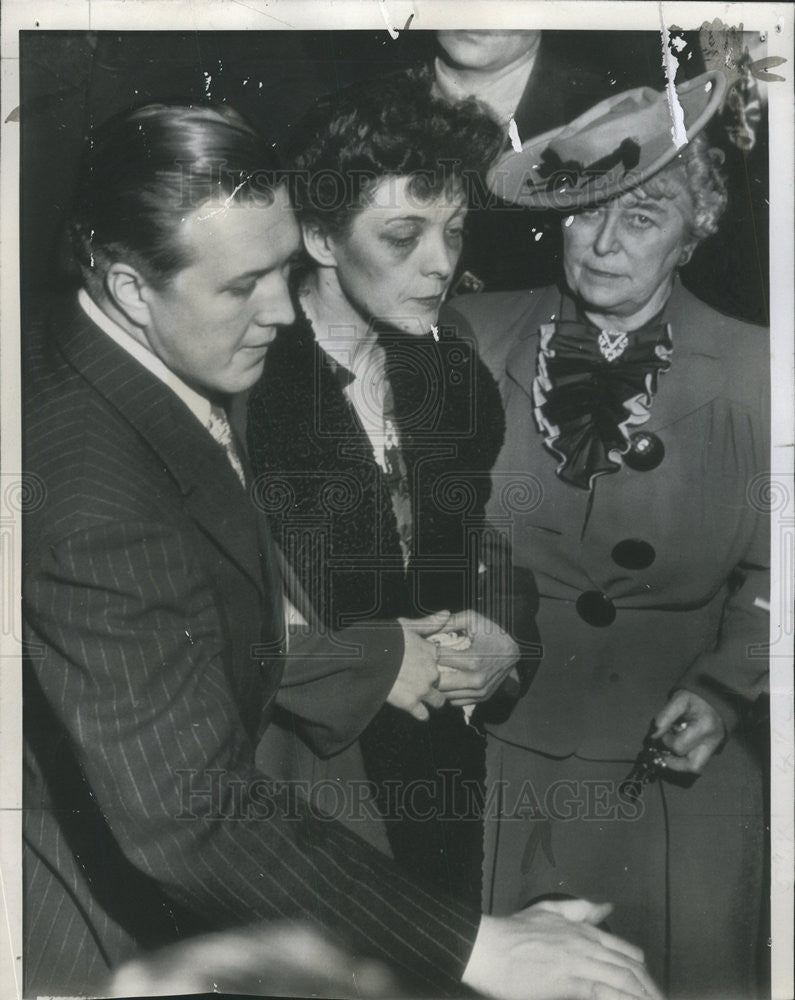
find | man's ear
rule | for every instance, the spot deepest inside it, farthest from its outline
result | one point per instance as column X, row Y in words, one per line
column 318, row 244
column 127, row 290
column 687, row 253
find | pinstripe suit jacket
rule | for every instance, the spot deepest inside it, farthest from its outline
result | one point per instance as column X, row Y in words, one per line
column 152, row 605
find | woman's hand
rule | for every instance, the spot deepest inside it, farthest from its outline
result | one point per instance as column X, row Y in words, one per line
column 417, row 682
column 691, row 729
column 474, row 674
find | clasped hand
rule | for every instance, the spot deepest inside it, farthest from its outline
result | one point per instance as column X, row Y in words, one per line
column 431, row 674
column 474, row 673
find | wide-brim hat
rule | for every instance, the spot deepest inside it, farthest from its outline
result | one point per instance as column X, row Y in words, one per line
column 615, row 146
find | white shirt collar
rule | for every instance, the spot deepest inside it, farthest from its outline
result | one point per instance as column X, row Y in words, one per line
column 196, row 403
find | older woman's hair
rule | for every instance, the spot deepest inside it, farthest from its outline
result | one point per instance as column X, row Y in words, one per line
column 390, row 127
column 699, row 169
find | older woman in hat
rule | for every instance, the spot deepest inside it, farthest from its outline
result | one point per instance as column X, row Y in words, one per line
column 624, row 773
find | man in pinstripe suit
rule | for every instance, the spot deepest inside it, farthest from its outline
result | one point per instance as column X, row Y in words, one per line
column 155, row 614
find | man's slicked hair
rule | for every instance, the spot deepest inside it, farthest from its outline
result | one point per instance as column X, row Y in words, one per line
column 145, row 170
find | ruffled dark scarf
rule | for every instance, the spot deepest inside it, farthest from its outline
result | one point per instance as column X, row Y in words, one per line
column 592, row 386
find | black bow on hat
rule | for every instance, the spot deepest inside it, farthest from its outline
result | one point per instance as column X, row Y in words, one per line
column 613, row 147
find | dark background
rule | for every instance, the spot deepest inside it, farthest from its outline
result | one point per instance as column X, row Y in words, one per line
column 74, row 80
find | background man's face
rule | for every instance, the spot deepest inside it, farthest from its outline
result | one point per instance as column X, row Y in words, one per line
column 213, row 322
column 487, row 49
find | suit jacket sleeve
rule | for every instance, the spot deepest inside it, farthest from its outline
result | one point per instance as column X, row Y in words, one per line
column 735, row 670
column 135, row 671
column 335, row 682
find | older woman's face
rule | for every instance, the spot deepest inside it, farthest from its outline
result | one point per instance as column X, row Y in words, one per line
column 620, row 256
column 397, row 259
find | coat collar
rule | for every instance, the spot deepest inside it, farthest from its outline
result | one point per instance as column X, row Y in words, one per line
column 697, row 374
column 211, row 490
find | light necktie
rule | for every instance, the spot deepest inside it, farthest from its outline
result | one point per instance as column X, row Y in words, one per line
column 218, row 425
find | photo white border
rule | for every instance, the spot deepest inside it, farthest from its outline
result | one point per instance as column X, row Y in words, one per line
column 776, row 19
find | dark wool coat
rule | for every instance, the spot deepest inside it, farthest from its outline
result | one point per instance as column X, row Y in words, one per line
column 330, row 509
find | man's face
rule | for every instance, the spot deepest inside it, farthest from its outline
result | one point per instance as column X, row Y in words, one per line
column 487, row 49
column 213, row 322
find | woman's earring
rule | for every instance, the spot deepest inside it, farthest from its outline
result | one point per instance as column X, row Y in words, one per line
column 684, row 257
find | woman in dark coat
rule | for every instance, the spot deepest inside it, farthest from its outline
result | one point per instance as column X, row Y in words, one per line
column 643, row 414
column 372, row 433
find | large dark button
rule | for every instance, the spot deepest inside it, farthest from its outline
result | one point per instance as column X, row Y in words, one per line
column 633, row 553
column 596, row 608
column 646, row 451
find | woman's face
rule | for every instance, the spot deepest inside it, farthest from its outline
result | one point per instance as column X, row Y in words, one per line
column 621, row 256
column 396, row 261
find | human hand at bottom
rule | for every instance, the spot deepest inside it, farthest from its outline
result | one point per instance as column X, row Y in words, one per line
column 264, row 959
column 554, row 951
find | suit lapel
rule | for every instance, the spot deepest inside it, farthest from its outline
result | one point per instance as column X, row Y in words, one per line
column 697, row 375
column 541, row 106
column 213, row 496
column 520, row 364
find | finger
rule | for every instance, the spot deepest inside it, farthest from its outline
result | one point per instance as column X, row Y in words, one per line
column 606, row 981
column 681, row 765
column 420, row 713
column 624, row 974
column 603, row 945
column 458, row 693
column 434, row 698
column 587, row 989
column 601, row 991
column 689, row 737
column 428, row 625
column 675, row 708
column 452, row 680
column 618, row 945
column 700, row 756
column 459, row 660
column 462, row 620
column 466, row 697
column 578, row 910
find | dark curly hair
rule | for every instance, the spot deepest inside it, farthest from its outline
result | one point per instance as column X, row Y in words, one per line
column 390, row 127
